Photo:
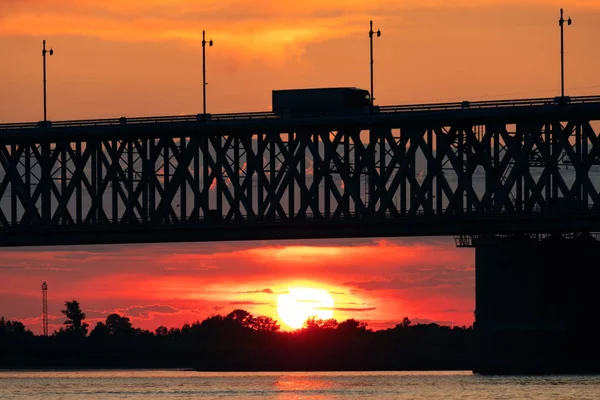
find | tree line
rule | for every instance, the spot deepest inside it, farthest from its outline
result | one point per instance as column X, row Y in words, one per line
column 236, row 341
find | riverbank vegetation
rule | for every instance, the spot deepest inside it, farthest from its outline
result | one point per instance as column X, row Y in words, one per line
column 237, row 341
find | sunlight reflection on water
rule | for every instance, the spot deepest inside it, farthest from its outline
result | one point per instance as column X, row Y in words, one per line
column 154, row 384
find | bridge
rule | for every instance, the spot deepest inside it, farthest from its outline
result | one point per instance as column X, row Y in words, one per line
column 439, row 169
column 516, row 179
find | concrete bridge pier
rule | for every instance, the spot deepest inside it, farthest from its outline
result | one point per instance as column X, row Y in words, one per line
column 537, row 302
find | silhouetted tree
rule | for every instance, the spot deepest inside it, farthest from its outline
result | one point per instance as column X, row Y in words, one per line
column 240, row 340
column 351, row 325
column 317, row 323
column 75, row 317
column 162, row 331
column 99, row 331
column 264, row 324
column 13, row 329
column 143, row 333
column 212, row 323
column 119, row 326
column 404, row 324
column 174, row 332
column 239, row 317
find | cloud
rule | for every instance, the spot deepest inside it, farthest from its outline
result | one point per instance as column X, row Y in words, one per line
column 347, row 309
column 190, row 268
column 38, row 320
column 141, row 312
column 420, row 279
column 415, row 321
column 269, row 27
column 267, row 291
column 248, row 303
column 39, row 267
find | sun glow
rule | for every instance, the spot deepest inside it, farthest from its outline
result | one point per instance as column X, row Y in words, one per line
column 299, row 304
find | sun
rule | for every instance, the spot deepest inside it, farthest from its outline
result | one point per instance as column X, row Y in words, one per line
column 299, row 304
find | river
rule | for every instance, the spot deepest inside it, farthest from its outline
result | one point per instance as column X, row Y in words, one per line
column 172, row 384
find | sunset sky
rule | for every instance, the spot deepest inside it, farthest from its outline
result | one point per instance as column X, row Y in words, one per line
column 137, row 58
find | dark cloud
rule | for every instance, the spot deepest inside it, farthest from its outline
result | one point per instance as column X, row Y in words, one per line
column 135, row 311
column 188, row 268
column 247, row 303
column 45, row 267
column 415, row 321
column 389, row 324
column 421, row 279
column 267, row 291
column 352, row 309
column 450, row 310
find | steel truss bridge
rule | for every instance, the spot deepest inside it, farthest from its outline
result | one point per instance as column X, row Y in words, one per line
column 495, row 167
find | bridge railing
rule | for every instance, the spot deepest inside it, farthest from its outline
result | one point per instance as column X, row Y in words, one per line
column 20, row 125
column 551, row 101
column 139, row 120
column 454, row 106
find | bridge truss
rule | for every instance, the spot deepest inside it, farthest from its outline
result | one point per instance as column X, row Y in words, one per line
column 485, row 168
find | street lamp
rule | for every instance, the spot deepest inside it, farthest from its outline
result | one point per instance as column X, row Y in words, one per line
column 44, row 51
column 561, row 22
column 210, row 43
column 371, row 42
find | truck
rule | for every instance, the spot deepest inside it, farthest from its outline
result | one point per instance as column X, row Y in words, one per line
column 320, row 102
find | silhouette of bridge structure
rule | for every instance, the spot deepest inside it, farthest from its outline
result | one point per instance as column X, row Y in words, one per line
column 494, row 167
column 519, row 180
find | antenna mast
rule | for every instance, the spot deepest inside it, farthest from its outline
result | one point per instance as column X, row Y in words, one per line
column 45, row 308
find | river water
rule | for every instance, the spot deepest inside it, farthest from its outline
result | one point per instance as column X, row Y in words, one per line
column 160, row 384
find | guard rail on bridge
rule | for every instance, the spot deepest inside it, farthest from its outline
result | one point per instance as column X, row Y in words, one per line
column 455, row 106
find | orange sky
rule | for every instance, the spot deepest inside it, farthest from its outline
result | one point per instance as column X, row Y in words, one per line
column 134, row 58
column 130, row 58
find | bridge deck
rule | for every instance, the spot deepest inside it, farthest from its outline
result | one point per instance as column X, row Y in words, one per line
column 516, row 108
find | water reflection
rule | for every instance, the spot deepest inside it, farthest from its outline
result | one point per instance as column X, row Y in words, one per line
column 298, row 386
column 302, row 383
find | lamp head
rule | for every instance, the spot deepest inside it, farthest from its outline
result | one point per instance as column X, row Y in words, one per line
column 569, row 21
column 51, row 51
column 210, row 42
column 378, row 33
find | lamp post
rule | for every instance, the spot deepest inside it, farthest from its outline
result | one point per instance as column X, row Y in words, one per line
column 371, row 43
column 210, row 43
column 44, row 51
column 561, row 22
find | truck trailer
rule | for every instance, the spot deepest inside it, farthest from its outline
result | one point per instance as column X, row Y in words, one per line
column 320, row 102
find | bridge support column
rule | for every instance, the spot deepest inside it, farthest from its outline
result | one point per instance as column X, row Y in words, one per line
column 536, row 304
